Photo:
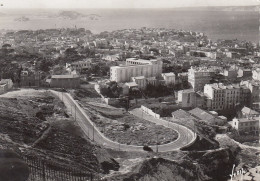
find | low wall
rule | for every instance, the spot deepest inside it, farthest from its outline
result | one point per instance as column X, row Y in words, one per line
column 108, row 101
column 150, row 112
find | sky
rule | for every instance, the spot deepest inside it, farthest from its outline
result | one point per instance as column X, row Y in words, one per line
column 122, row 3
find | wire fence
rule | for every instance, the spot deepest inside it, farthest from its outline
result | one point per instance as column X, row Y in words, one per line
column 41, row 170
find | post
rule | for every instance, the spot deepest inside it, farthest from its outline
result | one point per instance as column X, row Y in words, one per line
column 43, row 171
column 75, row 113
column 93, row 131
column 157, row 143
column 119, row 146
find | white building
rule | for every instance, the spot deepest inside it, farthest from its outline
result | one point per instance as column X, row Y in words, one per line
column 187, row 98
column 135, row 68
column 226, row 97
column 198, row 77
column 249, row 125
column 169, row 78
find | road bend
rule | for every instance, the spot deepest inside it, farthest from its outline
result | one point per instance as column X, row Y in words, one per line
column 185, row 135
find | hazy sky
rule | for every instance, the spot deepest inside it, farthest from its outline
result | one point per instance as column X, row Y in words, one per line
column 121, row 3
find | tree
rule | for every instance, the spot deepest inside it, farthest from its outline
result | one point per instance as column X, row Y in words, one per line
column 45, row 65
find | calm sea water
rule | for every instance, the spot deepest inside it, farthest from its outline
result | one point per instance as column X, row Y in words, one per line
column 216, row 24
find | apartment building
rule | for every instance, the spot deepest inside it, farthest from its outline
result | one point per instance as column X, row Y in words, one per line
column 222, row 97
column 135, row 68
column 198, row 77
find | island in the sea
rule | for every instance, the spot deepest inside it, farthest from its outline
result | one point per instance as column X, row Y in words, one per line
column 72, row 15
column 22, row 19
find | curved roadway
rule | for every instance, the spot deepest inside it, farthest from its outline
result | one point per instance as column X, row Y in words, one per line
column 185, row 137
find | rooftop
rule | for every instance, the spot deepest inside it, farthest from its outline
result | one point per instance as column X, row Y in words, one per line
column 244, row 120
column 182, row 114
column 131, row 84
column 139, row 77
column 168, row 74
column 220, row 86
column 249, row 111
column 141, row 60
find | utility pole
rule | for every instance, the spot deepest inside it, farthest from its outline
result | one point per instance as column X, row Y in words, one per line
column 93, row 131
column 157, row 143
column 75, row 113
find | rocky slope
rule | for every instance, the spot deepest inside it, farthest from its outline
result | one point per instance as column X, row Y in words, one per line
column 39, row 126
column 200, row 166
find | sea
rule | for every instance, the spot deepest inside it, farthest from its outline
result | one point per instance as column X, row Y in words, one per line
column 242, row 25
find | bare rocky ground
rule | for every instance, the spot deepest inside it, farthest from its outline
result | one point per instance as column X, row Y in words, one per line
column 35, row 123
column 121, row 126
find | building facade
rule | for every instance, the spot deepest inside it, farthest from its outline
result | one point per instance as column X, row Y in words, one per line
column 169, row 78
column 80, row 65
column 222, row 97
column 249, row 125
column 65, row 81
column 198, row 77
column 135, row 68
column 254, row 87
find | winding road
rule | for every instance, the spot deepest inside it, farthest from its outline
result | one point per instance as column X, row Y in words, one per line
column 185, row 135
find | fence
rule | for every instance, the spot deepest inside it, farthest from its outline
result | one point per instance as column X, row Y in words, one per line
column 41, row 170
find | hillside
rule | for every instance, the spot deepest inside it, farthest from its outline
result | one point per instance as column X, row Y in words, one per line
column 36, row 123
column 193, row 166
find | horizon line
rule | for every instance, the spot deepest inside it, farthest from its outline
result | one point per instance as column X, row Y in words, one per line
column 177, row 7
